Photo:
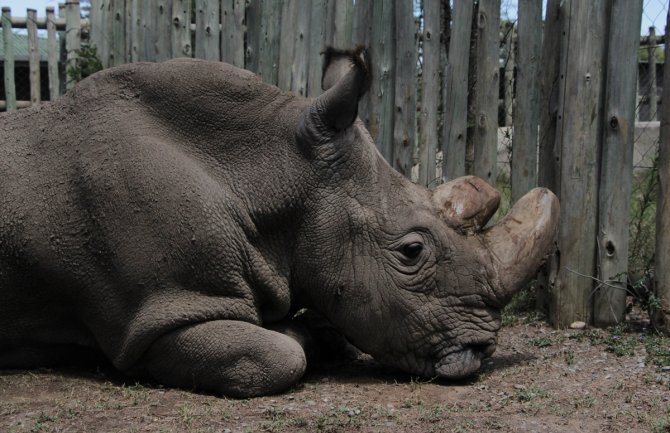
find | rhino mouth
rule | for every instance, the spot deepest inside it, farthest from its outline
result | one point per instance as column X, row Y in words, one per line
column 463, row 362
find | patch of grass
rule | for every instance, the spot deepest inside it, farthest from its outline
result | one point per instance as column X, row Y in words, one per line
column 658, row 350
column 338, row 420
column 432, row 414
column 280, row 419
column 530, row 393
column 540, row 342
column 41, row 424
column 661, row 425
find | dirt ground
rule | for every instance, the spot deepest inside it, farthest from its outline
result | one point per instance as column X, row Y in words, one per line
column 539, row 380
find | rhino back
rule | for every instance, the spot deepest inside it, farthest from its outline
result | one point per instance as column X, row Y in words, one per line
column 146, row 199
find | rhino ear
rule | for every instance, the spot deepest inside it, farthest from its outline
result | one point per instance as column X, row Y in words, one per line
column 346, row 78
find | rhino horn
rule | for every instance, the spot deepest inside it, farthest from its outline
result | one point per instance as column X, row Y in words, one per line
column 346, row 77
column 521, row 241
column 466, row 203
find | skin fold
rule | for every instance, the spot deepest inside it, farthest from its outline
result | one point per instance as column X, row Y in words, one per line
column 185, row 211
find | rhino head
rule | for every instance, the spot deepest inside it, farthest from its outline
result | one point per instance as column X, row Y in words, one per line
column 409, row 275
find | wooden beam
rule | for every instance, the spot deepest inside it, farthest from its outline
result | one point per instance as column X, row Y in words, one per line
column 616, row 170
column 34, row 59
column 430, row 84
column 485, row 100
column 660, row 314
column 579, row 129
column 526, row 111
column 8, row 41
column 455, row 131
column 53, row 51
column 72, row 37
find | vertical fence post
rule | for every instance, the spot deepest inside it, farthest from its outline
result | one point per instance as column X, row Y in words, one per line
column 508, row 84
column 485, row 131
column 651, row 95
column 317, row 36
column 232, row 34
column 383, row 71
column 455, row 131
column 287, row 43
column 405, row 89
column 163, row 23
column 8, row 40
column 616, row 162
column 526, row 116
column 579, row 127
column 72, row 37
column 361, row 34
column 268, row 60
column 292, row 73
column 660, row 316
column 181, row 29
column 34, row 59
column 97, row 31
column 117, row 50
column 54, row 79
column 430, row 84
column 207, row 29
column 136, row 31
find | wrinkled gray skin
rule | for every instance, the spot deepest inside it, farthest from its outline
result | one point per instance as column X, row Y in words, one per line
column 170, row 215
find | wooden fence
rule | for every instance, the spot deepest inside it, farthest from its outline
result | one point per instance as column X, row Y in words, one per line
column 69, row 24
column 436, row 84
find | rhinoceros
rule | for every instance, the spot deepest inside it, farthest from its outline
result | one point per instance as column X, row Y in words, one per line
column 175, row 216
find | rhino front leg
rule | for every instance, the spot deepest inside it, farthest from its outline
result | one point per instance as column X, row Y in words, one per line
column 228, row 357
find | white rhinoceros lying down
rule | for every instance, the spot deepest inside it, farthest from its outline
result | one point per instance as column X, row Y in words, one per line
column 175, row 216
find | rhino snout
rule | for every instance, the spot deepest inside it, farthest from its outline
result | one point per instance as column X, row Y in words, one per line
column 465, row 361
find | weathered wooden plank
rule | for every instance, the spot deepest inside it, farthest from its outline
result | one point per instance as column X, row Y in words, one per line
column 526, row 111
column 292, row 74
column 651, row 61
column 8, row 41
column 207, row 36
column 101, row 29
column 549, row 149
column 660, row 315
column 181, row 29
column 549, row 153
column 315, row 45
column 72, row 37
column 147, row 33
column 485, row 105
column 508, row 74
column 383, row 76
column 232, row 34
column 361, row 35
column 454, row 133
column 96, row 33
column 339, row 23
column 287, row 44
column 117, row 18
column 62, row 70
column 136, row 31
column 253, row 18
column 616, row 162
column 17, row 104
column 163, row 25
column 268, row 59
column 299, row 68
column 579, row 127
column 34, row 59
column 52, row 61
column 430, row 84
column 405, row 89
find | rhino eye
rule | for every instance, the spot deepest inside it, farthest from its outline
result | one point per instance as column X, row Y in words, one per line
column 412, row 250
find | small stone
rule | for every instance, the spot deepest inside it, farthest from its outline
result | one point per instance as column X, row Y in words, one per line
column 665, row 368
column 578, row 325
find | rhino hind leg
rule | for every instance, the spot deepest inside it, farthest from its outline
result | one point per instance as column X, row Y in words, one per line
column 232, row 358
